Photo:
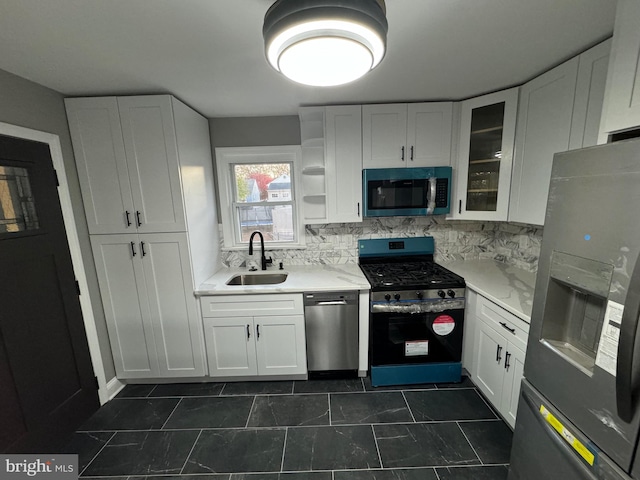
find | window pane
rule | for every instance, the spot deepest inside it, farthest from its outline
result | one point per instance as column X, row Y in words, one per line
column 17, row 206
column 274, row 222
column 262, row 182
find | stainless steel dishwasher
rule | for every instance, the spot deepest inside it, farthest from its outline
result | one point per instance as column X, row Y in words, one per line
column 331, row 321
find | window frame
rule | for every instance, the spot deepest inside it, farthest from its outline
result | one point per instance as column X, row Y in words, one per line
column 226, row 158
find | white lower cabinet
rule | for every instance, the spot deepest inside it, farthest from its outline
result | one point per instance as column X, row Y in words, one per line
column 152, row 315
column 500, row 348
column 255, row 335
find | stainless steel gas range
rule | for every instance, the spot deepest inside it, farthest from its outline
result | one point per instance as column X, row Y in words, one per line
column 416, row 313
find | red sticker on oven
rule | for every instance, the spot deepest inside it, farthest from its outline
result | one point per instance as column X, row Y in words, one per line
column 444, row 325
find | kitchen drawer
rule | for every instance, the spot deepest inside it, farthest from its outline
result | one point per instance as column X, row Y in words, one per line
column 251, row 305
column 503, row 321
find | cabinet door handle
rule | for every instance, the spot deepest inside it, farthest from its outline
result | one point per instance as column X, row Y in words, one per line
column 142, row 249
column 412, row 153
column 498, row 354
column 402, row 155
column 258, row 331
column 506, row 361
column 358, row 208
column 248, row 332
column 138, row 218
column 133, row 249
column 504, row 325
column 127, row 218
column 460, row 206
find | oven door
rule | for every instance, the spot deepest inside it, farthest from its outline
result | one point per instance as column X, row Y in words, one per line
column 412, row 338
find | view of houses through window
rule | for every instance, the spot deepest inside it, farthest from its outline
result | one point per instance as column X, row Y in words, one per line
column 264, row 200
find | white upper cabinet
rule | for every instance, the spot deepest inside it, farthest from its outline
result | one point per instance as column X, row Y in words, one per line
column 152, row 157
column 557, row 111
column 128, row 166
column 544, row 126
column 485, row 152
column 590, row 90
column 343, row 143
column 622, row 98
column 102, row 164
column 407, row 135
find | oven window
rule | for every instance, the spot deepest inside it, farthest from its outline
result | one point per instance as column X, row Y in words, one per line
column 390, row 194
column 411, row 338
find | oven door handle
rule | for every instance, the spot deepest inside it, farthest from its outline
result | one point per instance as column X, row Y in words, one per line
column 431, row 195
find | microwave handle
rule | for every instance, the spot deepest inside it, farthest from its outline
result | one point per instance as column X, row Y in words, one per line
column 431, row 196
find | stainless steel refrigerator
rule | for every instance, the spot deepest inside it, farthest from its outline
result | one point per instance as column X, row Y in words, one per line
column 578, row 413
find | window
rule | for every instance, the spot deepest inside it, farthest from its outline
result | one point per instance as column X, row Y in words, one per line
column 17, row 205
column 258, row 193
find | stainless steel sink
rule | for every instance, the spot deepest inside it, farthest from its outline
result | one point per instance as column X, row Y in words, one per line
column 258, row 279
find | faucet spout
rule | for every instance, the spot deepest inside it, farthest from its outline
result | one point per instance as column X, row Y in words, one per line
column 263, row 259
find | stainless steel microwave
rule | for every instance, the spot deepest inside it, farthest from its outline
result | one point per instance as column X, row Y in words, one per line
column 406, row 192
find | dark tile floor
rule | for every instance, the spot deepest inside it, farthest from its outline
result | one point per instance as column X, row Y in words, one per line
column 315, row 430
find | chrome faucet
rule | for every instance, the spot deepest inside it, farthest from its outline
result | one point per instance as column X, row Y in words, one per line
column 263, row 259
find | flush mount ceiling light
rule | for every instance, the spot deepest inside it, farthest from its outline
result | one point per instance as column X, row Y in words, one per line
column 325, row 42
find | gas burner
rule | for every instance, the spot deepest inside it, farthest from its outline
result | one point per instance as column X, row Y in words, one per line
column 410, row 275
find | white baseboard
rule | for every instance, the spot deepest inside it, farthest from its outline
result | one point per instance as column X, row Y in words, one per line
column 113, row 388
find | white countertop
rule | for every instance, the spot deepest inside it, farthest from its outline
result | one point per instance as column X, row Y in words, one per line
column 301, row 278
column 507, row 286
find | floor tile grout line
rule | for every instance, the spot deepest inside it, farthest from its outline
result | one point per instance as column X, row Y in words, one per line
column 149, row 394
column 267, row 427
column 375, row 440
column 172, row 412
column 470, row 444
column 408, row 407
column 486, row 402
column 246, row 425
column 329, row 407
column 98, row 453
column 284, row 448
column 190, row 452
column 435, row 470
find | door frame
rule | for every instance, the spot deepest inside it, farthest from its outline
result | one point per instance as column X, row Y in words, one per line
column 106, row 390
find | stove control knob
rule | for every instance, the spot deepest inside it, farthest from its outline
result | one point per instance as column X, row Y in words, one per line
column 387, row 297
column 397, row 296
column 419, row 294
column 451, row 293
column 441, row 294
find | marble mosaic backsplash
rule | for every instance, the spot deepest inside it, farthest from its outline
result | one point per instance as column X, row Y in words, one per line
column 516, row 245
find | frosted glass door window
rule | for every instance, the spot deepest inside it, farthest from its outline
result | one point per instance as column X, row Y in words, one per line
column 17, row 205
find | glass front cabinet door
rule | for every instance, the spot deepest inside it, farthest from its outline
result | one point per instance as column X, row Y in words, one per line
column 483, row 177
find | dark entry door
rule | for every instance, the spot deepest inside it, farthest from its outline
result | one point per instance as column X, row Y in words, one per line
column 47, row 385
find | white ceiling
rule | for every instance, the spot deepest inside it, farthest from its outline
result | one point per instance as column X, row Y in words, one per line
column 209, row 53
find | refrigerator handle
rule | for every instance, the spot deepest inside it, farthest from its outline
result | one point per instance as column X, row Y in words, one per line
column 626, row 365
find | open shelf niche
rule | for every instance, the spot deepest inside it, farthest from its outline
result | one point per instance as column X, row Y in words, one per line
column 314, row 190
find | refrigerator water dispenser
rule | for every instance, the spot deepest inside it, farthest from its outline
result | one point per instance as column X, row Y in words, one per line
column 574, row 313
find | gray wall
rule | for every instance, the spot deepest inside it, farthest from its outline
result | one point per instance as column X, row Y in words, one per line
column 251, row 132
column 33, row 106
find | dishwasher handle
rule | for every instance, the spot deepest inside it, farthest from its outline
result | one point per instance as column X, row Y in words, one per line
column 330, row 302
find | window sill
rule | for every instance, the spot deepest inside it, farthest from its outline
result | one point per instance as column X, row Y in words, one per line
column 267, row 248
